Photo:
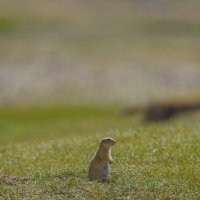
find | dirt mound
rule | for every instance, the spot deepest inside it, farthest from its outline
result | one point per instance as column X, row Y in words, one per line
column 163, row 111
column 12, row 180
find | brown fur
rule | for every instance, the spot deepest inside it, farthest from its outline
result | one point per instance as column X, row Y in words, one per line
column 99, row 164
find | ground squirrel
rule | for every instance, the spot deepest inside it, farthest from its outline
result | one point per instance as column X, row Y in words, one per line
column 99, row 165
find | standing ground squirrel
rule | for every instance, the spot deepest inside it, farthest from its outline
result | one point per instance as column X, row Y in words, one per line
column 99, row 165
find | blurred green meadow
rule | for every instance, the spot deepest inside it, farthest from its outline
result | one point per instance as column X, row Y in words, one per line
column 68, row 69
column 44, row 124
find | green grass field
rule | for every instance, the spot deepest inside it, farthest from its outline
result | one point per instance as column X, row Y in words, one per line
column 45, row 153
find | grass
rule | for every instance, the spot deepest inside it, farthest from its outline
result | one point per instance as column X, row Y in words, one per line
column 45, row 153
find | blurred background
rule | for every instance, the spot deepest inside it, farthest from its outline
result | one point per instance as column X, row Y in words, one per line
column 72, row 67
column 78, row 52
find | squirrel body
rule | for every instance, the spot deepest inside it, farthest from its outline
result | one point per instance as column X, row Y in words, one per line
column 99, row 164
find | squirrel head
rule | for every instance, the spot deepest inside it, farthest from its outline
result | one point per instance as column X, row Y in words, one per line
column 107, row 142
